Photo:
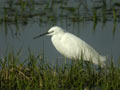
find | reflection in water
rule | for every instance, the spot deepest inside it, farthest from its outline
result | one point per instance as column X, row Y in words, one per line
column 96, row 22
column 45, row 12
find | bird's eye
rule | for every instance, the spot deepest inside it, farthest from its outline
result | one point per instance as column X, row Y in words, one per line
column 51, row 31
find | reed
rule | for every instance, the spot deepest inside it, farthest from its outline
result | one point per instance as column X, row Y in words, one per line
column 35, row 73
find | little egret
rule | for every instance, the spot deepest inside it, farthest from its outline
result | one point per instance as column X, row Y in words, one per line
column 72, row 46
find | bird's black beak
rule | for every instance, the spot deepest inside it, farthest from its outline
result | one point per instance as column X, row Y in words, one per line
column 41, row 35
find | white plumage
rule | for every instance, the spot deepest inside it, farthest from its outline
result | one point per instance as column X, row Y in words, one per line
column 73, row 47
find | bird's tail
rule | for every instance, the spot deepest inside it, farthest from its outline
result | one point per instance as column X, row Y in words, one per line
column 102, row 61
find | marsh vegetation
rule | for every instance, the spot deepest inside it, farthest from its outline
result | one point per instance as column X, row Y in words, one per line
column 34, row 72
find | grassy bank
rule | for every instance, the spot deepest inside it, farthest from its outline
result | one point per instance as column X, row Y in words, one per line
column 34, row 73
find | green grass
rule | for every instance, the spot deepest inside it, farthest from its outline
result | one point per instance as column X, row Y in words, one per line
column 34, row 73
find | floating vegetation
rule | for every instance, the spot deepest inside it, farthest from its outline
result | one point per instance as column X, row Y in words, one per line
column 21, row 12
column 94, row 19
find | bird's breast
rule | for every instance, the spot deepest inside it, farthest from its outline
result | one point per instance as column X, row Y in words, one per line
column 66, row 46
column 56, row 40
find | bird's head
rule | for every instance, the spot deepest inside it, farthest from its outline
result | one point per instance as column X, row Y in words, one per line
column 52, row 31
column 55, row 30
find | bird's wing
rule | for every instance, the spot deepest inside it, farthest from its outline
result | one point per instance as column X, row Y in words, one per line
column 77, row 47
column 72, row 45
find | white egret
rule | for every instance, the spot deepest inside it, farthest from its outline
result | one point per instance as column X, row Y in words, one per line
column 72, row 46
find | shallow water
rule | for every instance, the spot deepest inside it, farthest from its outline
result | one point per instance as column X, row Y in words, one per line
column 103, row 39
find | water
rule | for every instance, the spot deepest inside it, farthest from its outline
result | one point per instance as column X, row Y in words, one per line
column 103, row 39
